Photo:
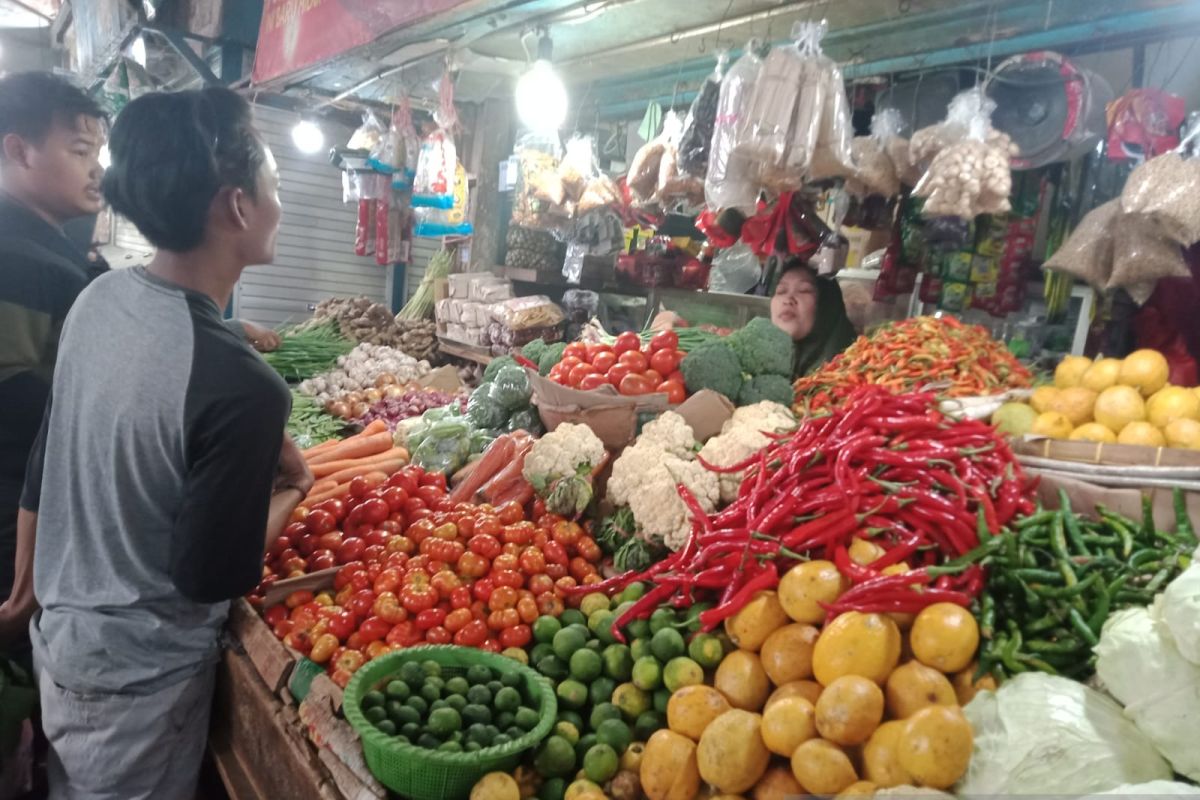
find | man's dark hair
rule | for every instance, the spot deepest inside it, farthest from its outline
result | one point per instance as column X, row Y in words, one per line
column 171, row 154
column 32, row 102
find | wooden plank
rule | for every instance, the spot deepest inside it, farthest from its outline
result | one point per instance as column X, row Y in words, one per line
column 268, row 655
column 477, row 354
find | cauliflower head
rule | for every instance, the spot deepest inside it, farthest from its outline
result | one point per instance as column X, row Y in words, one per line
column 669, row 432
column 644, row 478
column 762, row 416
column 562, row 452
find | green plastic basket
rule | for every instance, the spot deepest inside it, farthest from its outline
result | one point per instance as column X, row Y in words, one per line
column 422, row 774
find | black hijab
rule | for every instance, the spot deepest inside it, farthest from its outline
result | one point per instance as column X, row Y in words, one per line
column 832, row 331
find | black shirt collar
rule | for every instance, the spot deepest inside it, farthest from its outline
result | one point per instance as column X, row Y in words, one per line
column 17, row 220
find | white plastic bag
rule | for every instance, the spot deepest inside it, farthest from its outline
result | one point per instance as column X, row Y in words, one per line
column 433, row 184
column 731, row 182
column 1181, row 610
column 735, row 269
column 875, row 171
column 407, row 145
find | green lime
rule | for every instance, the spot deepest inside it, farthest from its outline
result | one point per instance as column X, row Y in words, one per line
column 601, row 763
column 647, row 724
column 512, row 679
column 411, row 672
column 429, row 741
column 572, row 694
column 595, row 645
column 431, row 668
column 527, row 719
column 450, row 747
column 479, row 695
column 667, row 644
column 706, row 650
column 660, row 619
column 399, row 713
column 400, row 738
column 457, row 685
column 444, row 722
column 632, row 592
column 622, row 608
column 386, row 726
column 661, row 698
column 456, row 701
column 638, row 629
column 591, row 603
column 567, row 731
column 692, row 617
column 505, row 719
column 566, row 715
column 585, row 665
column 603, row 712
column 616, row 734
column 471, row 747
column 555, row 758
column 475, row 713
column 375, row 714
column 573, row 616
column 540, row 651
column 516, row 654
column 553, row 789
column 553, row 668
column 478, row 674
column 640, row 648
column 726, row 643
column 494, row 686
column 492, row 731
column 478, row 733
column 397, row 690
column 507, row 699
column 514, row 732
column 501, row 739
column 601, row 689
column 431, row 692
column 567, row 641
column 373, row 698
column 436, row 704
column 410, row 730
column 680, row 672
column 418, row 704
column 618, row 662
column 544, row 628
column 585, row 743
column 647, row 674
column 631, row 700
column 600, row 624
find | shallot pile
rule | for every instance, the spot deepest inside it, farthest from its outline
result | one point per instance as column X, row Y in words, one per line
column 399, row 404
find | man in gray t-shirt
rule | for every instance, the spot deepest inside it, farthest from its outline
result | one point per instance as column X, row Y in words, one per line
column 161, row 470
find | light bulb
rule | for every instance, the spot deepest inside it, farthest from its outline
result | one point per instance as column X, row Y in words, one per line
column 541, row 98
column 307, row 137
column 105, row 157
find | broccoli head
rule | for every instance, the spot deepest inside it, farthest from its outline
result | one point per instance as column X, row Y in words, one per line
column 495, row 365
column 762, row 348
column 713, row 366
column 551, row 356
column 533, row 351
column 766, row 387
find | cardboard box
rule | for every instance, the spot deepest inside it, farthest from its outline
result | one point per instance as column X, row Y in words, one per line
column 861, row 243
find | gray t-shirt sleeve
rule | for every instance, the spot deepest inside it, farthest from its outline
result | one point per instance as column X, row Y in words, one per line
column 31, row 493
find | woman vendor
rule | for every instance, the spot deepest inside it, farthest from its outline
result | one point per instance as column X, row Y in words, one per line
column 812, row 312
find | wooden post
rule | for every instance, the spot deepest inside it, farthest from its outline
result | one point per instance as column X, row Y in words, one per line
column 492, row 141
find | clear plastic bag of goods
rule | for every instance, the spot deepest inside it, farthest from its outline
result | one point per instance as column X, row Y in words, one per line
column 642, row 176
column 518, row 313
column 875, row 171
column 764, row 137
column 434, row 221
column 970, row 175
column 731, row 181
column 433, row 184
column 510, row 389
column 369, row 134
column 673, row 184
column 1167, row 190
column 701, row 120
column 832, row 156
column 445, row 446
column 580, row 305
column 407, row 146
column 1143, row 255
column 1087, row 254
column 578, row 166
column 735, row 270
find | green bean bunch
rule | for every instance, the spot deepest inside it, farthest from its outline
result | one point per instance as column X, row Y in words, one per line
column 309, row 424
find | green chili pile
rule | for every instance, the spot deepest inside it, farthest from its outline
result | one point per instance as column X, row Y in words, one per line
column 1055, row 577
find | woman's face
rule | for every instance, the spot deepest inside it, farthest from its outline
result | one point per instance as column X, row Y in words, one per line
column 794, row 304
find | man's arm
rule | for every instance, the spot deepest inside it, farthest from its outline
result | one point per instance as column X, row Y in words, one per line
column 16, row 611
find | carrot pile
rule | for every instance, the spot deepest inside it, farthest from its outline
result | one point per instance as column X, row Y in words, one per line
column 337, row 462
column 938, row 353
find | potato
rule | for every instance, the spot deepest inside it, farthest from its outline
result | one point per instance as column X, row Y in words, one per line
column 914, row 686
column 692, row 708
column 935, row 746
column 757, row 620
column 822, row 767
column 849, row 710
column 742, row 679
column 669, row 770
column 881, row 759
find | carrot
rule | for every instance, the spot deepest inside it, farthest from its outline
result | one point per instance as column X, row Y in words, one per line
column 329, row 494
column 320, row 448
column 327, row 468
column 321, row 486
column 356, row 447
column 383, row 467
column 375, row 426
column 494, row 459
column 504, row 480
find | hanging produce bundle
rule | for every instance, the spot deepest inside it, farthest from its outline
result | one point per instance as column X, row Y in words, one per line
column 305, row 351
column 958, row 360
column 868, row 503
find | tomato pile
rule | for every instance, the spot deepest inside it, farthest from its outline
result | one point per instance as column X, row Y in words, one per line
column 418, row 568
column 628, row 366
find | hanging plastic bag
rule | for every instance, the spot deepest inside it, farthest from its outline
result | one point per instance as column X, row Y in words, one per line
column 369, row 135
column 1167, row 190
column 578, row 166
column 701, row 120
column 1142, row 256
column 731, row 181
column 433, row 185
column 875, row 172
column 831, row 157
column 673, row 184
column 764, row 137
column 407, row 145
column 735, row 270
column 1087, row 254
column 452, row 221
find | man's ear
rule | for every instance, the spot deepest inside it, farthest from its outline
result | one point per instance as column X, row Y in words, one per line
column 15, row 149
column 232, row 202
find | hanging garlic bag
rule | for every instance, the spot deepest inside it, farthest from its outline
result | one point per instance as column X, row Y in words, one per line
column 701, row 120
column 970, row 176
column 731, row 181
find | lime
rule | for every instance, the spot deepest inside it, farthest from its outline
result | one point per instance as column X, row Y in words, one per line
column 397, row 690
column 386, row 726
column 429, row 741
column 602, row 713
column 418, row 704
column 450, row 747
column 479, row 695
column 475, row 713
column 410, row 730
column 431, row 668
column 505, row 719
column 375, row 714
column 572, row 694
column 400, row 714
column 512, row 679
column 527, row 718
column 706, row 650
column 501, row 739
column 692, row 617
column 494, row 686
column 565, row 715
column 600, row 624
column 567, row 641
column 516, row 654
column 471, row 747
column 647, row 724
column 555, row 758
column 373, row 698
column 601, row 690
column 573, row 616
column 618, row 662
column 681, row 672
column 457, row 685
column 431, row 692
column 507, row 699
column 553, row 789
column 567, row 731
column 640, row 648
column 601, row 763
column 513, row 732
column 622, row 608
column 477, row 674
column 591, row 603
column 400, row 738
column 544, row 628
column 647, row 674
column 444, row 722
column 595, row 645
column 585, row 665
column 540, row 651
column 585, row 743
column 436, row 704
column 660, row 619
column 456, row 701
column 492, row 731
column 632, row 592
column 614, row 733
column 667, row 644
column 411, row 672
column 638, row 629
column 661, row 698
column 631, row 700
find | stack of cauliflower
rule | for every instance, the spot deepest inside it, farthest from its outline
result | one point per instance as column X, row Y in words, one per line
column 743, row 435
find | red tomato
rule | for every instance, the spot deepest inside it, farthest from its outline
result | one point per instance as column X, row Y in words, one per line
column 558, row 374
column 334, row 506
column 516, row 636
column 473, row 565
column 505, row 561
column 412, row 505
column 576, row 350
column 564, row 537
column 510, row 513
column 617, row 374
column 502, row 598
column 508, row 577
column 418, row 598
column 330, row 541
column 473, row 634
column 360, row 604
column 377, row 536
column 438, row 635
column 389, row 580
column 533, row 561
column 457, row 619
column 395, row 497
column 322, row 559
column 342, row 625
column 404, row 634
column 387, row 607
column 569, row 363
column 319, row 522
column 653, row 377
column 485, row 544
column 430, row 495
column 445, row 582
column 359, row 487
column 400, row 544
column 482, row 589
column 540, row 583
column 587, row 547
column 603, row 362
column 275, row 615
column 673, row 390
column 460, row 597
column 527, row 608
column 437, row 479
column 592, row 381
column 506, row 618
column 403, row 480
column 632, row 385
column 350, row 550
column 549, row 603
column 579, row 373
column 677, row 376
column 663, row 362
column 634, row 360
column 431, row 617
column 627, row 342
column 664, row 340
column 373, row 629
column 419, row 514
column 466, row 527
column 519, row 533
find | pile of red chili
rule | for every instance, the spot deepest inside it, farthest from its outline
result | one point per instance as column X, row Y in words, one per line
column 890, row 468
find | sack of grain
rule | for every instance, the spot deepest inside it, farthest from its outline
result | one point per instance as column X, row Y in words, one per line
column 1087, row 254
column 1142, row 256
column 1167, row 190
